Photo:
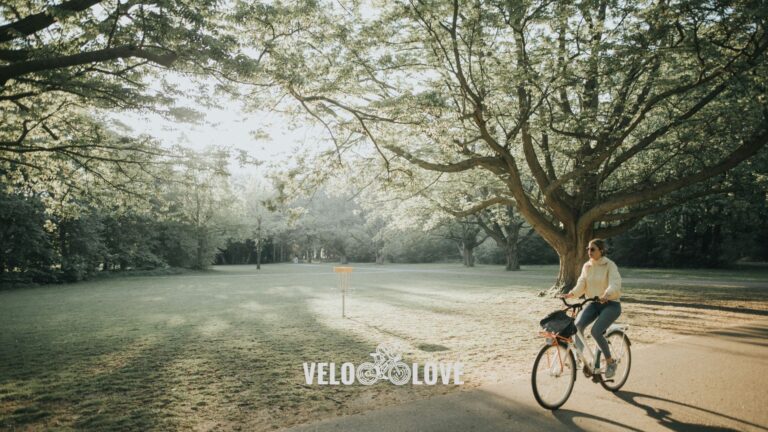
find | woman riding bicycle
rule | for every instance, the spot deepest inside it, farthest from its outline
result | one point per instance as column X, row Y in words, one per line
column 599, row 278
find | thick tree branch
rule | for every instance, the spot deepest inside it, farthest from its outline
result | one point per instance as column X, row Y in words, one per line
column 13, row 55
column 661, row 131
column 554, row 201
column 615, row 230
column 658, row 190
column 39, row 21
column 491, row 163
column 494, row 232
column 640, row 213
column 165, row 58
column 642, row 144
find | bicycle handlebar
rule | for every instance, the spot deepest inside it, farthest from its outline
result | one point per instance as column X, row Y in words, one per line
column 579, row 305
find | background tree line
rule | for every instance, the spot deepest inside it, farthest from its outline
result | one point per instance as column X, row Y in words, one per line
column 185, row 227
column 463, row 123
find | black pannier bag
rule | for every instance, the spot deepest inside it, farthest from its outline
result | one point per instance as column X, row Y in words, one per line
column 559, row 322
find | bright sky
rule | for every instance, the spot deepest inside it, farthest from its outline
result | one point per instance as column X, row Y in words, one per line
column 266, row 136
column 233, row 128
column 228, row 128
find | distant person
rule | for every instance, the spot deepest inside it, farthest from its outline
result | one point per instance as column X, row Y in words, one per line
column 599, row 278
column 295, row 260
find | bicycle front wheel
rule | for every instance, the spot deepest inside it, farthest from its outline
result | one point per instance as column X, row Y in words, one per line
column 554, row 373
column 619, row 344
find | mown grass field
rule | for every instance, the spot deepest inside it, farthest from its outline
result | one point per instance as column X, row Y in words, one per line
column 223, row 349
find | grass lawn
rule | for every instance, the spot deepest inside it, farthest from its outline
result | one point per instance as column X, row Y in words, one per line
column 224, row 349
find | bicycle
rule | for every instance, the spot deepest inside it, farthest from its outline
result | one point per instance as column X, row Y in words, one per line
column 555, row 367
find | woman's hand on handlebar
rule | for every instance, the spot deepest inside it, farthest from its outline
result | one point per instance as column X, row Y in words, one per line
column 566, row 295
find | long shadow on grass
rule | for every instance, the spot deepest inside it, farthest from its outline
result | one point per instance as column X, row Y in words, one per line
column 664, row 290
column 751, row 334
column 400, row 298
column 119, row 398
column 258, row 360
column 696, row 306
column 249, row 371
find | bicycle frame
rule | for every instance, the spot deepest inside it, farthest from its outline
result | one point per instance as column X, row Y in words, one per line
column 593, row 364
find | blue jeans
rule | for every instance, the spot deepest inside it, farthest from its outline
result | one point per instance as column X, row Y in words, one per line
column 605, row 314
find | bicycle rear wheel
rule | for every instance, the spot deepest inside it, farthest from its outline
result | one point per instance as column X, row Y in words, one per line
column 554, row 373
column 620, row 351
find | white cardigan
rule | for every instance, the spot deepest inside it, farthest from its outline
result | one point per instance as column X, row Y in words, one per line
column 598, row 278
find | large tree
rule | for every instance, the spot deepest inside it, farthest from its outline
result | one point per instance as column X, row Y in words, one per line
column 594, row 114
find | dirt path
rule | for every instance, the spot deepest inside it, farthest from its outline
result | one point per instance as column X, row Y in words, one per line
column 716, row 381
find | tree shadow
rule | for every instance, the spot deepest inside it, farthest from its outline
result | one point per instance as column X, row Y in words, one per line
column 247, row 372
column 398, row 298
column 749, row 334
column 665, row 417
column 753, row 334
column 696, row 306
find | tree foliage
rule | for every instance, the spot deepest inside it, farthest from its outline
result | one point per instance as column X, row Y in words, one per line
column 24, row 243
column 62, row 63
column 593, row 114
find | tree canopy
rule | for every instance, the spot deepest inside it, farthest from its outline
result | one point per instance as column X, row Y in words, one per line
column 65, row 66
column 593, row 114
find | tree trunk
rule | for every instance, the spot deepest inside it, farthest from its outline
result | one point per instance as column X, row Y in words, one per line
column 469, row 256
column 513, row 260
column 199, row 254
column 344, row 258
column 201, row 243
column 258, row 259
column 573, row 255
column 379, row 257
column 63, row 244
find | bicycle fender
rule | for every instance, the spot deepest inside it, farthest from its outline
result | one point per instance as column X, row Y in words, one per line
column 610, row 332
column 617, row 327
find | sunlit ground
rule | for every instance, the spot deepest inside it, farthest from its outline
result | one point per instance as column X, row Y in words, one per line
column 224, row 349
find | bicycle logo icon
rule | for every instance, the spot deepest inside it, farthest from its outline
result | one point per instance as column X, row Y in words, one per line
column 386, row 366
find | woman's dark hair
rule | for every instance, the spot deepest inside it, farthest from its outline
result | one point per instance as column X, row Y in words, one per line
column 600, row 243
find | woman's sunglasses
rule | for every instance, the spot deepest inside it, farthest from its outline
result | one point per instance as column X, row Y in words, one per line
column 592, row 249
